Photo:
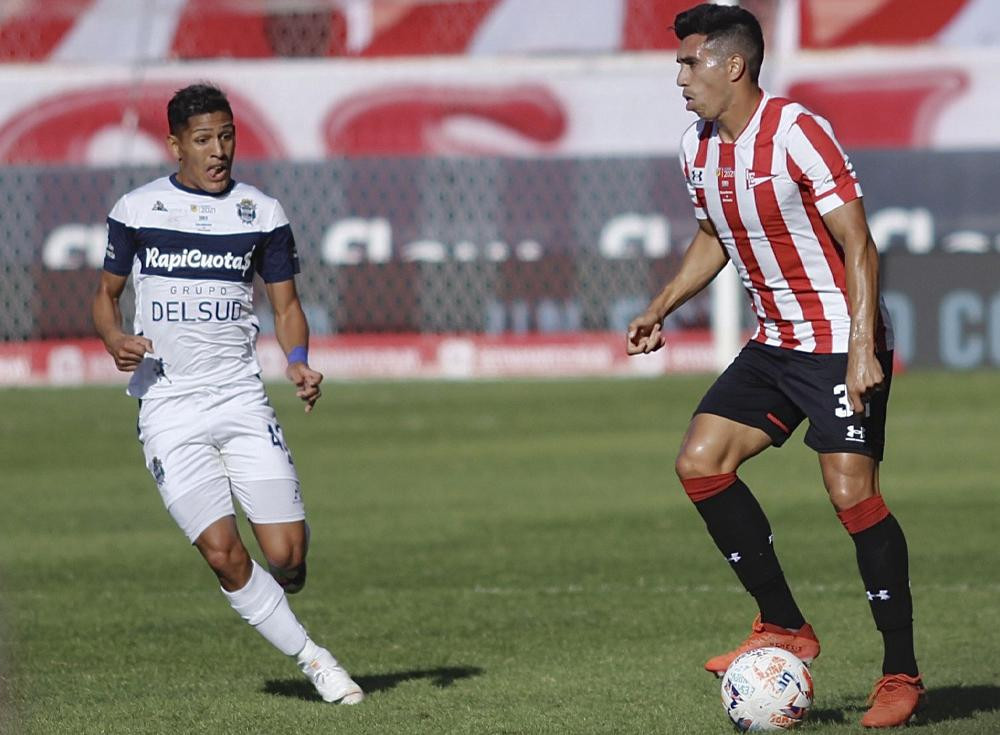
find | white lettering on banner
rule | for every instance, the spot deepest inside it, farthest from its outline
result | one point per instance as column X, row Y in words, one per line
column 194, row 258
column 967, row 241
column 457, row 358
column 631, row 235
column 15, row 370
column 428, row 251
column 914, row 226
column 73, row 245
column 66, row 365
column 365, row 362
column 904, row 333
column 356, row 240
column 969, row 330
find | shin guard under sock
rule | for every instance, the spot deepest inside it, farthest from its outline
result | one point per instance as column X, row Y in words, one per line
column 262, row 603
column 737, row 524
column 883, row 562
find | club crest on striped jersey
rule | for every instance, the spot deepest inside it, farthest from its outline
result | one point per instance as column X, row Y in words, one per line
column 756, row 178
column 247, row 210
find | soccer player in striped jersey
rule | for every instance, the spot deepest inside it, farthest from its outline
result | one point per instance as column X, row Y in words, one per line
column 193, row 242
column 775, row 195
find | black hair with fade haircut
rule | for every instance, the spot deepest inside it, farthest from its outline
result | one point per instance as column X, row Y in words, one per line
column 195, row 99
column 735, row 28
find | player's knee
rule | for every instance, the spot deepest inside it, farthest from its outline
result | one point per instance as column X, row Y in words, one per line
column 694, row 460
column 229, row 561
column 288, row 557
column 849, row 479
column 291, row 579
column 287, row 553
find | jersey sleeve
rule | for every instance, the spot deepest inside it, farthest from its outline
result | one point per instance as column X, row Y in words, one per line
column 122, row 244
column 277, row 259
column 821, row 164
column 693, row 179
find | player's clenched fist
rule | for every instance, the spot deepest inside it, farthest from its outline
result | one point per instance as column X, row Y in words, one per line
column 128, row 351
column 644, row 334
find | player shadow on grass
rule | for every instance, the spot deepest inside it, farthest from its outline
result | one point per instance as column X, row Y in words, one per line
column 441, row 678
column 958, row 702
column 942, row 704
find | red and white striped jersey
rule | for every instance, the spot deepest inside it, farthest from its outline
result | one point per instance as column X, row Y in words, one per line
column 766, row 195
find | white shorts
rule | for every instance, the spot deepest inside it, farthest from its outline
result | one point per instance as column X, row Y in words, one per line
column 202, row 448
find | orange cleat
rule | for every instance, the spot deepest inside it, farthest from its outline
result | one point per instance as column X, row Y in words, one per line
column 893, row 701
column 801, row 642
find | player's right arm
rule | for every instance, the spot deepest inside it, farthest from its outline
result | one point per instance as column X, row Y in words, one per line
column 704, row 258
column 126, row 349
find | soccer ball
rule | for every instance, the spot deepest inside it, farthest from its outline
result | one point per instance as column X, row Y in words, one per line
column 767, row 689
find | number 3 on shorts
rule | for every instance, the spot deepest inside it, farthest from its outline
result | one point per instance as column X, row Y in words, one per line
column 845, row 410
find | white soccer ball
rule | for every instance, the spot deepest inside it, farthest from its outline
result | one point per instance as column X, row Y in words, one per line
column 767, row 689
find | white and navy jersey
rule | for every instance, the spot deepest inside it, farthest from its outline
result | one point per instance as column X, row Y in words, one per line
column 766, row 194
column 193, row 256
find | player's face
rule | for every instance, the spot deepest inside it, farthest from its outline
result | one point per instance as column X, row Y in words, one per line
column 204, row 150
column 703, row 77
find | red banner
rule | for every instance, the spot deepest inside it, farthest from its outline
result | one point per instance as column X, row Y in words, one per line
column 397, row 357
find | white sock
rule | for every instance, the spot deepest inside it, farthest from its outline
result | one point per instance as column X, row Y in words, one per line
column 262, row 603
column 309, row 651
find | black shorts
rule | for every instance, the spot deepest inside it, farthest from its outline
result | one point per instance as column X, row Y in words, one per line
column 774, row 389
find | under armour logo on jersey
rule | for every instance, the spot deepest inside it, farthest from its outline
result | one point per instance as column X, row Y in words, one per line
column 855, row 433
column 880, row 595
column 756, row 179
column 697, row 177
column 734, row 557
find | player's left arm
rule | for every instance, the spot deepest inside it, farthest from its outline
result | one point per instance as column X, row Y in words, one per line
column 849, row 226
column 292, row 331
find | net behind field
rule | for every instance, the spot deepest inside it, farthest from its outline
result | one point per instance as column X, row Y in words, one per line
column 427, row 246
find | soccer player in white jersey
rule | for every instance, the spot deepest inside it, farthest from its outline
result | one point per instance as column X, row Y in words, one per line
column 193, row 243
column 775, row 195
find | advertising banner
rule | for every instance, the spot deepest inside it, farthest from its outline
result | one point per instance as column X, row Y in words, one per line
column 512, row 247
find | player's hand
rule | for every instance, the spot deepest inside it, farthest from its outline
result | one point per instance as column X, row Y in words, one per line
column 128, row 351
column 864, row 377
column 307, row 381
column 645, row 334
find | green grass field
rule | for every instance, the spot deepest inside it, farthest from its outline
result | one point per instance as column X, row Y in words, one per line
column 486, row 558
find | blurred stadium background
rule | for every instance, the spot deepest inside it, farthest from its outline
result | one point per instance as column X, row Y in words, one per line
column 480, row 188
column 484, row 187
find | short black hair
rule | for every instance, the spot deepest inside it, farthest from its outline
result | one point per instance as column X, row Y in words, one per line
column 736, row 28
column 195, row 99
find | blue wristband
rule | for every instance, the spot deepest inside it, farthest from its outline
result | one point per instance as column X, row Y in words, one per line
column 299, row 354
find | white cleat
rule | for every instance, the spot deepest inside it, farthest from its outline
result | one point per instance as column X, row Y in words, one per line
column 330, row 679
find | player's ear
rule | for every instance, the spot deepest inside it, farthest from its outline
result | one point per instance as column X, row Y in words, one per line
column 736, row 66
column 174, row 145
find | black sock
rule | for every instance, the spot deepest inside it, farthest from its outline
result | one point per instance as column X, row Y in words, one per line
column 884, row 566
column 740, row 530
column 899, row 657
